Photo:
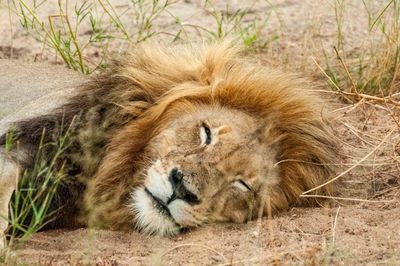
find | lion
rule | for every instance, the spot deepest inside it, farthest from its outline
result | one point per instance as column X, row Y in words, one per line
column 177, row 137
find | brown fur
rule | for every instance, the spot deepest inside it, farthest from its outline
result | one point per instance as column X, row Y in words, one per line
column 121, row 111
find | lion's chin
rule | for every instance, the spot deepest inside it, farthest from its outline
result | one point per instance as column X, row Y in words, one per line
column 150, row 219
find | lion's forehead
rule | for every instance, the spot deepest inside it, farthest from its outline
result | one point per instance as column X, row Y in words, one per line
column 216, row 115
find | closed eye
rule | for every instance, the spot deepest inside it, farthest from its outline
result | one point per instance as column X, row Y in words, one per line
column 205, row 134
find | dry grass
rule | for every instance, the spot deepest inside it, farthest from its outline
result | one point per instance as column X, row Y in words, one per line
column 375, row 69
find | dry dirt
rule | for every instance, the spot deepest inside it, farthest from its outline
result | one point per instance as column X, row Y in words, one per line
column 363, row 229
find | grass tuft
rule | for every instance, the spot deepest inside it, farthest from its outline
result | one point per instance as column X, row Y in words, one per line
column 374, row 72
column 31, row 207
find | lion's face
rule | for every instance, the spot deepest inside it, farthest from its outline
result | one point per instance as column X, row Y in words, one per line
column 206, row 166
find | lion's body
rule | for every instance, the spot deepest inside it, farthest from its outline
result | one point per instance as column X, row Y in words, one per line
column 121, row 131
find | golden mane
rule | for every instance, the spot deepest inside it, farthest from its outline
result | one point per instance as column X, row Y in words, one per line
column 156, row 84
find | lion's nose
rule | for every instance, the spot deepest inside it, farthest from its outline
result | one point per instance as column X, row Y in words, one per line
column 179, row 189
column 175, row 177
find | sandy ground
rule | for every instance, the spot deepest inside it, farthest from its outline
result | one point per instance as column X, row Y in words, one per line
column 362, row 231
column 354, row 235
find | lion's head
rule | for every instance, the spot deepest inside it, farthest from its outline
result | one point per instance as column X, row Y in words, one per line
column 207, row 137
column 210, row 164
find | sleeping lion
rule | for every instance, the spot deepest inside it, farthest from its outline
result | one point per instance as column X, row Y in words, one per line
column 178, row 137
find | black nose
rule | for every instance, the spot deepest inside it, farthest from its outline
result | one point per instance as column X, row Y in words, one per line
column 175, row 177
column 179, row 189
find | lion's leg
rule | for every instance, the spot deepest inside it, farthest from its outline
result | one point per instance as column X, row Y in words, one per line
column 9, row 172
